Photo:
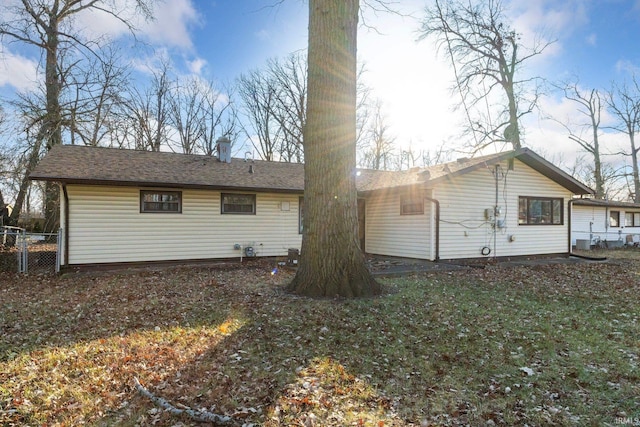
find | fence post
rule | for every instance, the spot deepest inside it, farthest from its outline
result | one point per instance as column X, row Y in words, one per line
column 58, row 250
column 23, row 252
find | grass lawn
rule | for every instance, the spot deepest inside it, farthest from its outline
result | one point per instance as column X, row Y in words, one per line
column 540, row 345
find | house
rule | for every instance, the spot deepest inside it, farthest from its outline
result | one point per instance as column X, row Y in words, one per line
column 123, row 206
column 611, row 223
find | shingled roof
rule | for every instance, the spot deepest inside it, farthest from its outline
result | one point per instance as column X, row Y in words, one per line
column 74, row 164
column 606, row 203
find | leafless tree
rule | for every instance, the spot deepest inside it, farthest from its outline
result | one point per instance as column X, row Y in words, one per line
column 289, row 109
column 149, row 111
column 94, row 99
column 623, row 101
column 186, row 112
column 378, row 150
column 219, row 118
column 29, row 126
column 257, row 90
column 486, row 54
column 587, row 133
column 49, row 26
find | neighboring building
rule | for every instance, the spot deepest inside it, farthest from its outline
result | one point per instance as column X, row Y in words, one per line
column 605, row 222
column 121, row 206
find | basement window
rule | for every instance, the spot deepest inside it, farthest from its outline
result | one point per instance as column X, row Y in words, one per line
column 160, row 201
column 240, row 204
column 540, row 211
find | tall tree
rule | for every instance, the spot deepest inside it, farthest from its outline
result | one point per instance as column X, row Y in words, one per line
column 48, row 26
column 590, row 106
column 624, row 103
column 377, row 150
column 486, row 53
column 186, row 113
column 331, row 262
column 149, row 111
column 258, row 93
column 220, row 118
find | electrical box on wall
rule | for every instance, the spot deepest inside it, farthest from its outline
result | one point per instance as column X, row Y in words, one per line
column 488, row 214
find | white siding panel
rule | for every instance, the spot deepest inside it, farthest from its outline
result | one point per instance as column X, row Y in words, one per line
column 106, row 226
column 593, row 221
column 586, row 222
column 392, row 234
column 464, row 231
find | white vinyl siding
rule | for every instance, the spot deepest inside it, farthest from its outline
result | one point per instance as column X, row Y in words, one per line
column 392, row 234
column 106, row 226
column 592, row 222
column 465, row 231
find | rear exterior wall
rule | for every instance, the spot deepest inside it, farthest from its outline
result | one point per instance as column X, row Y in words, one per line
column 467, row 232
column 392, row 234
column 106, row 226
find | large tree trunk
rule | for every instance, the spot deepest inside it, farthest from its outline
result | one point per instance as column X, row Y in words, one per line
column 331, row 262
column 52, row 122
column 636, row 172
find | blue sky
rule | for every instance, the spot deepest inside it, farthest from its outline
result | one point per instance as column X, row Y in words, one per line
column 597, row 41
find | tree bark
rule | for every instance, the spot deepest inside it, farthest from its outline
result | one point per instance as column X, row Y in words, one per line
column 53, row 119
column 331, row 262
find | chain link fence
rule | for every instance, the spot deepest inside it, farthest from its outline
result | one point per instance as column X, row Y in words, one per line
column 26, row 252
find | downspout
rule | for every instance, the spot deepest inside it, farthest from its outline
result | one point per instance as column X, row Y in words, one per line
column 495, row 214
column 569, row 215
column 437, row 204
column 66, row 224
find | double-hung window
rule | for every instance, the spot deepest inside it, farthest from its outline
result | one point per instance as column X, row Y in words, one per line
column 154, row 201
column 240, row 204
column 540, row 211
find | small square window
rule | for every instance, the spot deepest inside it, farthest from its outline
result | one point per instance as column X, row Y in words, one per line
column 614, row 219
column 411, row 205
column 241, row 204
column 160, row 201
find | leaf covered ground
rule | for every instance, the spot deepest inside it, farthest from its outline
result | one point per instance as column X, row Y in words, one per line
column 552, row 344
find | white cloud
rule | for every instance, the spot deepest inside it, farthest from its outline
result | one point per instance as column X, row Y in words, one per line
column 196, row 65
column 592, row 39
column 171, row 26
column 626, row 66
column 17, row 71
